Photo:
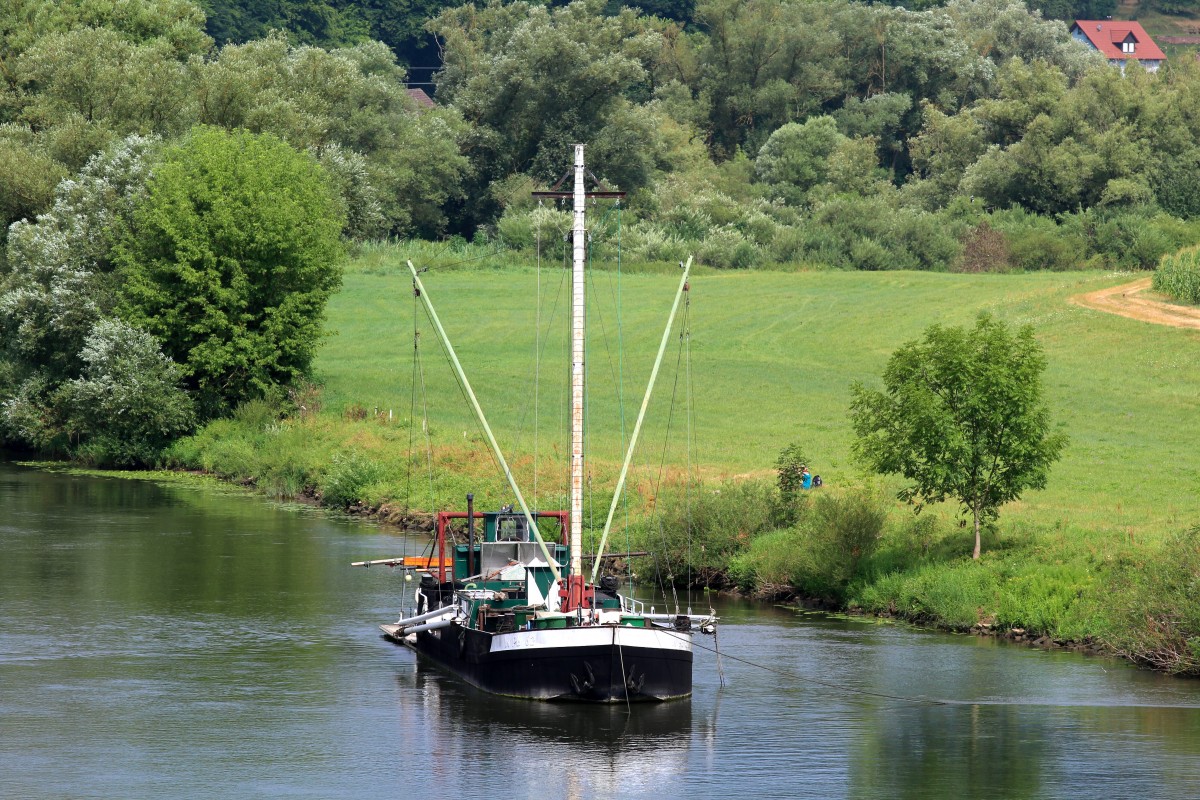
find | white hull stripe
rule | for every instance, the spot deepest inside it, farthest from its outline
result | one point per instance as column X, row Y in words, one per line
column 592, row 636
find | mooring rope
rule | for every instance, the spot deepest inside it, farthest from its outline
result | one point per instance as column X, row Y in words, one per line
column 817, row 681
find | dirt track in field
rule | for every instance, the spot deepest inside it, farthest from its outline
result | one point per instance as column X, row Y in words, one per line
column 1127, row 300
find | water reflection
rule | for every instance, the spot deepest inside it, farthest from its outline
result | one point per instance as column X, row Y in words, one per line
column 164, row 642
column 589, row 750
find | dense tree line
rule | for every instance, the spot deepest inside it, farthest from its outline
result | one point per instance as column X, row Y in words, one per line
column 141, row 143
column 167, row 283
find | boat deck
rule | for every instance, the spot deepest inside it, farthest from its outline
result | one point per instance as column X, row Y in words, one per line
column 392, row 632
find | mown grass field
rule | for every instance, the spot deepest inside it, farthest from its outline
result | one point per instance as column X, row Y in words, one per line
column 772, row 359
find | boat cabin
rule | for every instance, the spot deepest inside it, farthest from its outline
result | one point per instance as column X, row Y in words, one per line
column 502, row 578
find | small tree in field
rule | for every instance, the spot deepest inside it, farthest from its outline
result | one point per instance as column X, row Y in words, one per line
column 961, row 416
column 789, row 468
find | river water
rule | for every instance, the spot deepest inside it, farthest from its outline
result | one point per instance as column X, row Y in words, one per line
column 162, row 641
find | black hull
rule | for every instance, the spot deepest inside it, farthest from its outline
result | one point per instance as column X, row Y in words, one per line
column 593, row 672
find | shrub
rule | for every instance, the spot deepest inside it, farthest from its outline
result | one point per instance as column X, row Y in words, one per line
column 769, row 564
column 789, row 468
column 985, row 249
column 870, row 255
column 649, row 242
column 1038, row 243
column 699, row 529
column 788, row 246
column 1131, row 241
column 1178, row 275
column 520, row 230
column 1154, row 608
column 1042, row 250
column 728, row 249
column 687, row 223
column 348, row 476
column 841, row 534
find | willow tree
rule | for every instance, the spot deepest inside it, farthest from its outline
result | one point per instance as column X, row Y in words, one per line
column 961, row 415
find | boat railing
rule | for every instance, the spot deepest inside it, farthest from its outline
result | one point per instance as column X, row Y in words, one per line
column 632, row 606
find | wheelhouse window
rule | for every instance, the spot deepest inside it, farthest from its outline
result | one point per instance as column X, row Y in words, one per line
column 512, row 529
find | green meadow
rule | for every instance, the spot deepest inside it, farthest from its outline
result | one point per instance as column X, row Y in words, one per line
column 768, row 360
column 772, row 356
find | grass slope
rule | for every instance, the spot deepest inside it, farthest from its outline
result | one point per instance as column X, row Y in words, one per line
column 772, row 357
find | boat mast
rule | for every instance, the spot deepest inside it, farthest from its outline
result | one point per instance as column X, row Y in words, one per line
column 576, row 589
column 578, row 313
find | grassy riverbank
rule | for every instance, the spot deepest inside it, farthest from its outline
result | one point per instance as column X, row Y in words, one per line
column 772, row 355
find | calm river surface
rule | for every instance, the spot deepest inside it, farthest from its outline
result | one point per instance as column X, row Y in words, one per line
column 171, row 642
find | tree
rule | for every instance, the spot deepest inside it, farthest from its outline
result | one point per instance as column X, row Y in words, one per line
column 531, row 80
column 796, row 157
column 350, row 108
column 231, row 256
column 789, row 479
column 72, row 379
column 961, row 416
column 57, row 283
column 128, row 403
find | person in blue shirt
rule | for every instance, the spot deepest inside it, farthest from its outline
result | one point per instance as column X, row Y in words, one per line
column 806, row 479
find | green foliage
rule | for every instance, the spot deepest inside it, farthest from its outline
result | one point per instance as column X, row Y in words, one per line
column 329, row 23
column 1178, row 275
column 789, row 478
column 541, row 227
column 87, row 87
column 346, row 479
column 58, row 287
column 820, row 554
column 789, row 468
column 281, row 456
column 1070, row 10
column 1175, row 184
column 841, row 535
column 961, row 416
column 699, row 529
column 128, row 404
column 875, row 233
column 394, row 165
column 977, row 99
column 233, row 285
column 1153, row 612
column 80, row 75
column 180, row 23
column 956, row 596
column 30, row 175
column 1038, row 243
column 308, row 21
column 796, row 157
column 518, row 73
column 770, row 564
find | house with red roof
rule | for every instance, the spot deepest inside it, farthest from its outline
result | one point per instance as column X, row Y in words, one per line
column 422, row 100
column 1121, row 41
